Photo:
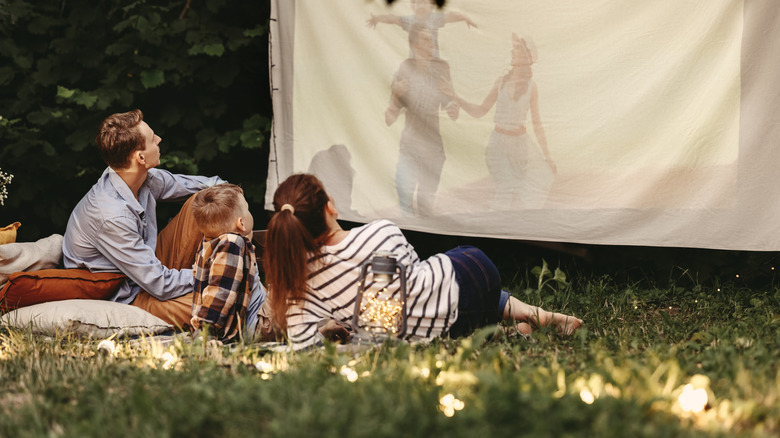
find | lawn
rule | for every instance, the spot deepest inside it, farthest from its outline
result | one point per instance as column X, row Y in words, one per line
column 651, row 361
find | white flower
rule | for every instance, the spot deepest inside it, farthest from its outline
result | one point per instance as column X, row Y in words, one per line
column 5, row 179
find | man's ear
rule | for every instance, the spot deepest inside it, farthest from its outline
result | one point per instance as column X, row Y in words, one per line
column 138, row 157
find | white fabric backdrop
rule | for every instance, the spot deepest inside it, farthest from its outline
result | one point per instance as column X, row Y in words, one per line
column 661, row 118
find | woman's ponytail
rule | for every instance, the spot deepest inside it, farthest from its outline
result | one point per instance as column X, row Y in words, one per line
column 294, row 236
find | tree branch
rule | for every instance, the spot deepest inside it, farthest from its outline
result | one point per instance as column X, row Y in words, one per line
column 184, row 11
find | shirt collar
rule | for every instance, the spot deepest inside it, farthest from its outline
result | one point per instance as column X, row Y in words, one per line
column 123, row 190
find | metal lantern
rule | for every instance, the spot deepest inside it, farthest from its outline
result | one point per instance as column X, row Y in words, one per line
column 380, row 308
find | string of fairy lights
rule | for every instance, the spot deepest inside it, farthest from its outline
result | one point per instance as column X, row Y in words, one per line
column 380, row 312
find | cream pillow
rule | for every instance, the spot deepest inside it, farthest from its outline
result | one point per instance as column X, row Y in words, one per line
column 87, row 318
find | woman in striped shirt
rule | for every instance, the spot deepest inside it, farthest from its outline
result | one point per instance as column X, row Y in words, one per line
column 313, row 266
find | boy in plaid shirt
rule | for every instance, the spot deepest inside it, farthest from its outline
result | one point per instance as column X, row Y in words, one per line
column 228, row 293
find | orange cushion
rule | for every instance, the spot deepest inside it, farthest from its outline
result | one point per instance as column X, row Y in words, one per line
column 33, row 287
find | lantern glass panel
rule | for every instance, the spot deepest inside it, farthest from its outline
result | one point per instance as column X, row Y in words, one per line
column 380, row 312
column 380, row 309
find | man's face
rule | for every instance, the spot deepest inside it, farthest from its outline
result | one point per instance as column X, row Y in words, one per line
column 423, row 46
column 150, row 153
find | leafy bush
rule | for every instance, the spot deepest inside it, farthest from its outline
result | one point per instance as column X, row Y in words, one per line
column 197, row 69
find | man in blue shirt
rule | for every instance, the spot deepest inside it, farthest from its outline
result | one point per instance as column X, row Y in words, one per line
column 114, row 226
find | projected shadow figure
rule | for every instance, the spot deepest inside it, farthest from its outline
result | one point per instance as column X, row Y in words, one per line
column 423, row 15
column 417, row 88
column 333, row 166
column 522, row 175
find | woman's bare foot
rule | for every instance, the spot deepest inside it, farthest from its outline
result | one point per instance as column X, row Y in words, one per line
column 534, row 317
column 566, row 324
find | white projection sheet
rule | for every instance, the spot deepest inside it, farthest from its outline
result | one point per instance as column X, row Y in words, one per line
column 603, row 122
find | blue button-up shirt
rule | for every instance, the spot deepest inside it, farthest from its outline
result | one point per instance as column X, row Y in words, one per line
column 111, row 231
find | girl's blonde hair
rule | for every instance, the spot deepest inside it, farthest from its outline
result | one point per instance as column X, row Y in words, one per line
column 294, row 236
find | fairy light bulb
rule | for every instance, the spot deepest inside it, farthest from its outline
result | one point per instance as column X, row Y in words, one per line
column 587, row 397
column 449, row 404
column 692, row 399
column 107, row 346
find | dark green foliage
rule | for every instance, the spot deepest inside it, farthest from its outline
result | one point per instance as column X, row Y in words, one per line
column 198, row 71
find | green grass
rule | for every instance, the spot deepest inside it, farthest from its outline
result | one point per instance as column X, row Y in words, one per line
column 638, row 350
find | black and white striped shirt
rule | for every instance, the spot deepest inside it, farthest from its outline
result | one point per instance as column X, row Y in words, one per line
column 432, row 306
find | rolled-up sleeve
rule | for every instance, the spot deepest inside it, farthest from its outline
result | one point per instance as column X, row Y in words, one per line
column 166, row 186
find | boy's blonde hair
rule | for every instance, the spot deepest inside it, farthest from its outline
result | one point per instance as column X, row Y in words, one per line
column 216, row 209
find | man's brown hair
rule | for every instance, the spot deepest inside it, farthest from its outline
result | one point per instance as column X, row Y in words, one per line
column 119, row 137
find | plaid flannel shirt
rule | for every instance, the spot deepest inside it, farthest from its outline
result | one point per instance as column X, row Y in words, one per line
column 224, row 272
